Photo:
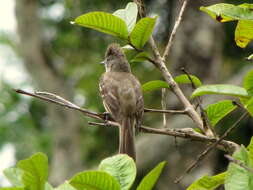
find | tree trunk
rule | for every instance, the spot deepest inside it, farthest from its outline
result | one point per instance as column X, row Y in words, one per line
column 65, row 124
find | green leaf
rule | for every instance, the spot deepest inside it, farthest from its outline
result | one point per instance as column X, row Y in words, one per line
column 130, row 52
column 140, row 57
column 94, row 180
column 142, row 31
column 221, row 89
column 207, row 182
column 103, row 22
column 248, row 104
column 238, row 178
column 148, row 182
column 14, row 175
column 65, row 186
column 158, row 84
column 154, row 85
column 129, row 15
column 248, row 82
column 244, row 33
column 250, row 57
column 250, row 149
column 12, row 188
column 217, row 11
column 48, row 186
column 122, row 167
column 217, row 111
column 184, row 79
column 224, row 12
column 35, row 171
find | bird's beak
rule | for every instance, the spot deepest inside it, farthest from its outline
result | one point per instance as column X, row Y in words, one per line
column 102, row 62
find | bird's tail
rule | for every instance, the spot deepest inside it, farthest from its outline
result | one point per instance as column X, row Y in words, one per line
column 126, row 140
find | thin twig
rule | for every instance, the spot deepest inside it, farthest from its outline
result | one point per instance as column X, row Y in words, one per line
column 211, row 147
column 206, row 123
column 173, row 33
column 106, row 124
column 238, row 162
column 163, row 103
column 63, row 103
column 165, row 111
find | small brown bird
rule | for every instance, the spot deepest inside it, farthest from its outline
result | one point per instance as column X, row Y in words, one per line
column 122, row 97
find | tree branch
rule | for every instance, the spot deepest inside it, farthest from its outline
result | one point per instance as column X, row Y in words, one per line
column 187, row 133
column 165, row 111
column 159, row 62
column 211, row 147
column 239, row 163
column 173, row 33
column 62, row 102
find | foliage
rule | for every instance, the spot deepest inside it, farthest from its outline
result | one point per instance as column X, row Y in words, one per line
column 207, row 182
column 115, row 173
column 119, row 172
column 120, row 24
column 181, row 79
column 235, row 178
column 224, row 12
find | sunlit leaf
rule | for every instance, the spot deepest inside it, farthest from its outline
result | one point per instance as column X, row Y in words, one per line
column 35, row 171
column 65, row 186
column 14, row 175
column 248, row 82
column 220, row 89
column 103, row 22
column 154, row 85
column 122, row 167
column 248, row 104
column 142, row 31
column 207, row 182
column 129, row 15
column 244, row 33
column 94, row 180
column 217, row 11
column 181, row 79
column 217, row 111
column 224, row 12
column 250, row 57
column 238, row 178
column 250, row 149
column 188, row 79
column 148, row 182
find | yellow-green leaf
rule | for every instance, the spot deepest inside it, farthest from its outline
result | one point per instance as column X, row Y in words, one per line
column 220, row 89
column 122, row 167
column 148, row 182
column 94, row 180
column 248, row 82
column 129, row 15
column 207, row 182
column 244, row 33
column 215, row 112
column 142, row 31
column 103, row 22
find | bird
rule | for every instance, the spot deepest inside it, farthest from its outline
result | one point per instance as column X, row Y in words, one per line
column 122, row 97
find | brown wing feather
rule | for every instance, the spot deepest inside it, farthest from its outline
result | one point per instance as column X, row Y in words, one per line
column 109, row 95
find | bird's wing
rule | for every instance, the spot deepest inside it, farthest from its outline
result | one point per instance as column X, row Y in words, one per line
column 109, row 94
